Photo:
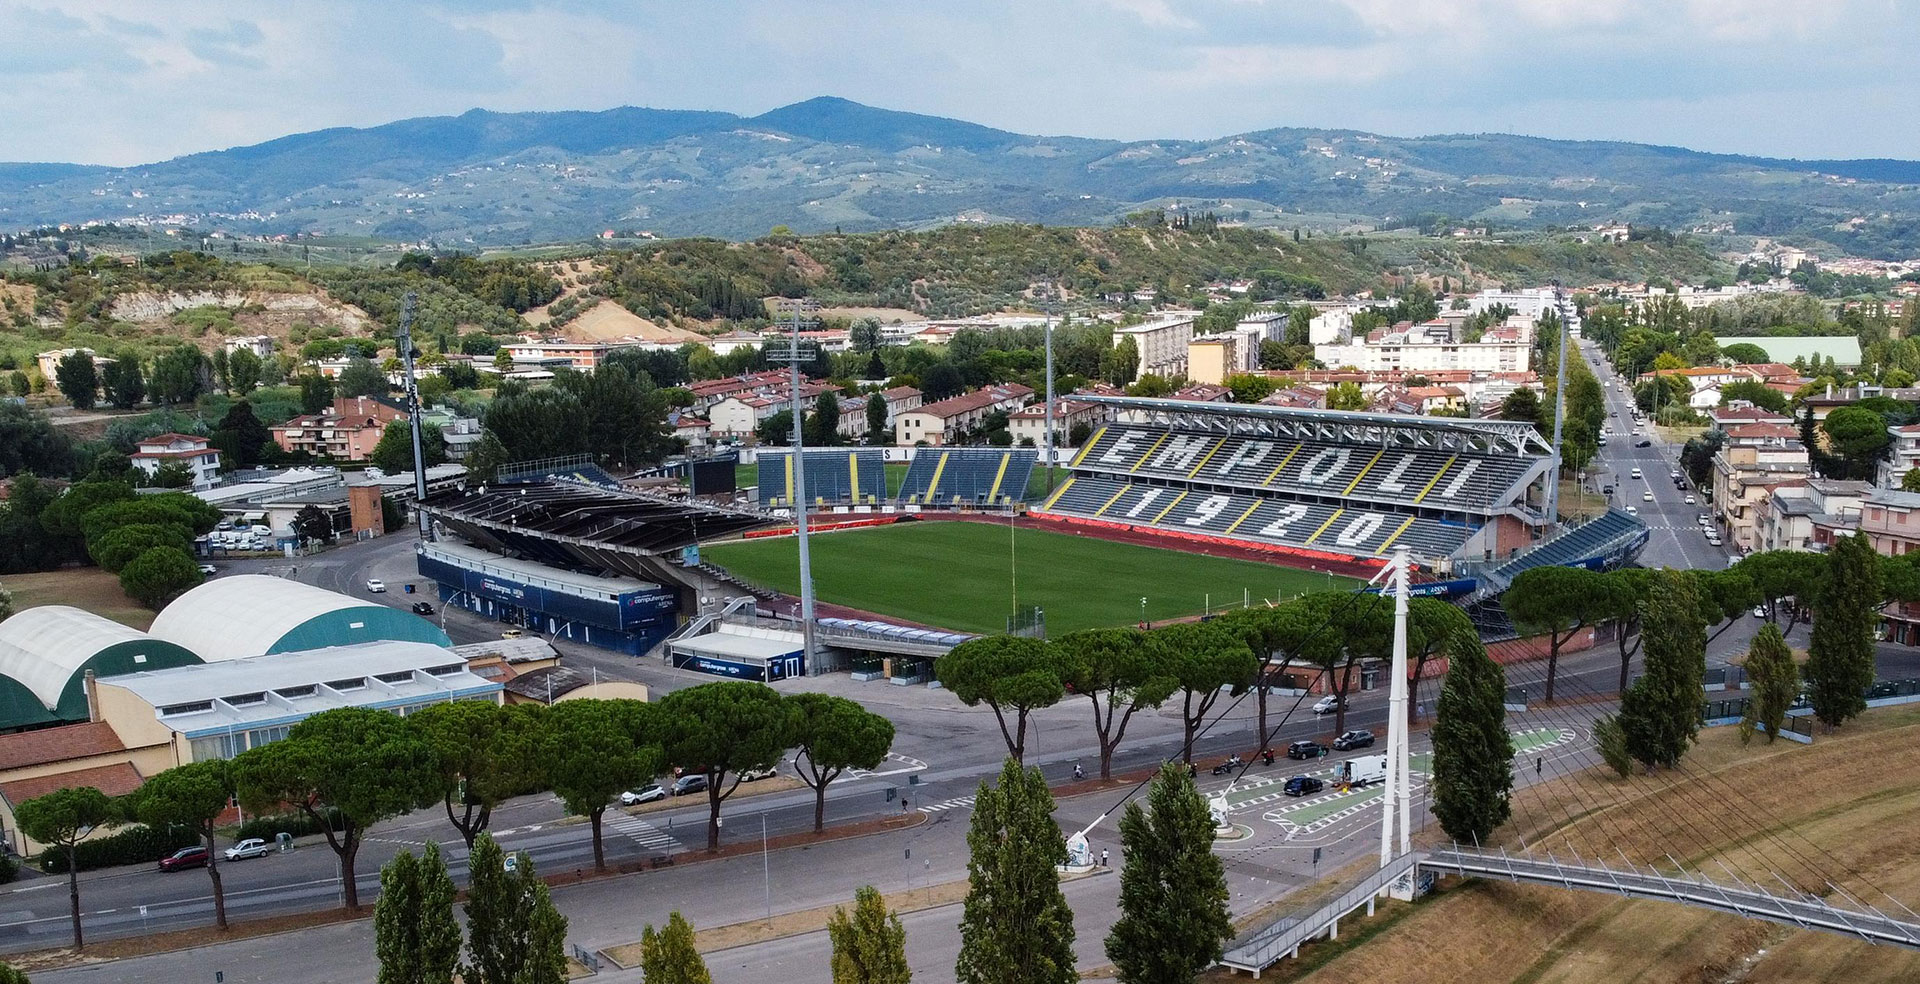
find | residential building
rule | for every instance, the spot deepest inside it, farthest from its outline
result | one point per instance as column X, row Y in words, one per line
column 1742, row 476
column 260, row 345
column 1029, row 423
column 346, row 431
column 1903, row 455
column 698, row 433
column 584, row 356
column 200, row 458
column 741, row 415
column 1763, row 435
column 1530, row 303
column 49, row 362
column 949, row 420
column 734, row 341
column 1212, row 358
column 708, row 392
column 900, row 399
column 1202, row 393
column 1162, row 344
column 1409, row 348
column 1268, row 326
column 1890, row 518
column 1807, row 514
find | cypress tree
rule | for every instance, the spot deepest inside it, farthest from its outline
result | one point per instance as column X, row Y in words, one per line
column 1776, row 681
column 1016, row 927
column 1472, row 752
column 1840, row 655
column 1660, row 713
column 396, row 921
column 869, row 946
column 490, row 936
column 669, row 955
column 1173, row 888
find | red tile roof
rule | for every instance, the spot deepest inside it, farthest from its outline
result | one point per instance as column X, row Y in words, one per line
column 72, row 741
column 114, row 780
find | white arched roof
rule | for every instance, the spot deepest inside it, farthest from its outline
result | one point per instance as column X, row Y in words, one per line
column 243, row 614
column 42, row 647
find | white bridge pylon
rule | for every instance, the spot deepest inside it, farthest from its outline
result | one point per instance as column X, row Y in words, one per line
column 1396, row 814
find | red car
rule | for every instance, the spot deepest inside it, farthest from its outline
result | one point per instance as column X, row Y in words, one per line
column 184, row 858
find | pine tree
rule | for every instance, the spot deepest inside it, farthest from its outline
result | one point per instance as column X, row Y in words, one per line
column 396, row 919
column 1775, row 682
column 1173, row 888
column 1472, row 752
column 1840, row 654
column 1660, row 713
column 669, row 955
column 1016, row 927
column 870, row 946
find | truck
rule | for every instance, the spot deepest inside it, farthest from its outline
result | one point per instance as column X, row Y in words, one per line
column 1363, row 771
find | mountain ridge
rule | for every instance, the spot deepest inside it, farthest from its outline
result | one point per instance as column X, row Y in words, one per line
column 492, row 178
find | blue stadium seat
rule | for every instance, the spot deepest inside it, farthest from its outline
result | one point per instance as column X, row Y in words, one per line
column 834, row 476
column 968, row 476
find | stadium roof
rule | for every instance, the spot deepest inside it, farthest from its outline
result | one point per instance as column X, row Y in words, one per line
column 572, row 524
column 1501, row 436
column 249, row 614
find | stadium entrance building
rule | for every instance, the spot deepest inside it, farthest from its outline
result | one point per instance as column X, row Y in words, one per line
column 571, row 559
column 611, row 612
column 742, row 652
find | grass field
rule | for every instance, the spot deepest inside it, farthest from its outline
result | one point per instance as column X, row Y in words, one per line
column 87, row 588
column 960, row 576
column 1847, row 805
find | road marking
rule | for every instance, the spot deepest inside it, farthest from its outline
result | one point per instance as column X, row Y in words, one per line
column 957, row 803
column 907, row 764
column 645, row 834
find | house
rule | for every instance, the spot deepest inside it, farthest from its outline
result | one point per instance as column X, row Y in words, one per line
column 1903, row 455
column 900, row 399
column 1203, row 393
column 1764, row 435
column 260, row 345
column 853, row 417
column 583, row 356
column 734, row 341
column 1029, row 423
column 698, row 433
column 201, row 460
column 947, row 421
column 346, row 431
column 49, row 362
column 741, row 415
column 708, row 392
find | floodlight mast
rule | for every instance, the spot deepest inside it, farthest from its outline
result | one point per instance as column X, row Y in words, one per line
column 405, row 342
column 793, row 357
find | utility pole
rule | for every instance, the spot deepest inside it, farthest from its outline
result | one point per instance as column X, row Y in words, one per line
column 793, row 357
column 405, row 342
column 1396, row 810
column 1559, row 415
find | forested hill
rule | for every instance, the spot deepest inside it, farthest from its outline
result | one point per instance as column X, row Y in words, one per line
column 501, row 178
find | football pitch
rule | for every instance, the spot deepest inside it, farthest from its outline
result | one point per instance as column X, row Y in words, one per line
column 963, row 576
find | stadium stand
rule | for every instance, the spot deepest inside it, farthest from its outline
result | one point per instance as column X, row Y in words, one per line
column 834, row 476
column 968, row 476
column 1320, row 483
column 572, row 467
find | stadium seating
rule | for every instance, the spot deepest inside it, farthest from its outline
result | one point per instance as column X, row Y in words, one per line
column 968, row 476
column 1359, row 531
column 834, row 476
column 1598, row 537
column 1468, row 482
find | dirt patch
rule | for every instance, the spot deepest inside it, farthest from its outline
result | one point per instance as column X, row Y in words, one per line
column 885, row 315
column 747, row 790
column 1846, row 806
column 87, row 588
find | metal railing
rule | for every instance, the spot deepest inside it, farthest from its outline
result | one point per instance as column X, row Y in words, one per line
column 1265, row 947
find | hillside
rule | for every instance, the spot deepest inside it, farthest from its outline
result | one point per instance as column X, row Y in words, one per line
column 504, row 178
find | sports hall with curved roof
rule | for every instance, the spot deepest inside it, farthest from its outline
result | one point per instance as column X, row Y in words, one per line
column 254, row 614
column 46, row 651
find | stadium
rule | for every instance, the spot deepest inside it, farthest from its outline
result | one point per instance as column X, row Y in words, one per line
column 1172, row 509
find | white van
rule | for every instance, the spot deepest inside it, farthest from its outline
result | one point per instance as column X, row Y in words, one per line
column 1362, row 771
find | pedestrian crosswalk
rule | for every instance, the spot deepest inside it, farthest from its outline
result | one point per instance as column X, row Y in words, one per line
column 645, row 834
column 957, row 803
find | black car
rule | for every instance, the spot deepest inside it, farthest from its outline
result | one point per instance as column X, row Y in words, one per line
column 1305, row 750
column 1302, row 786
column 422, row 608
column 1643, row 443
column 1353, row 739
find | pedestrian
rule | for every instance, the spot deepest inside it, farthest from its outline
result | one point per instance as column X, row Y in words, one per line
column 1537, row 760
column 1103, row 857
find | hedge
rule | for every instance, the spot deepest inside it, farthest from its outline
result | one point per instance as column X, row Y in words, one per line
column 292, row 824
column 138, row 844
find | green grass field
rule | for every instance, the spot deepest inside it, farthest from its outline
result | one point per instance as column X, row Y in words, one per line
column 959, row 575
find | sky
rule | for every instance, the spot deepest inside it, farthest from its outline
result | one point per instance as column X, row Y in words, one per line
column 132, row 81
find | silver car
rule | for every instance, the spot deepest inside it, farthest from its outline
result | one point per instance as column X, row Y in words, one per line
column 252, row 847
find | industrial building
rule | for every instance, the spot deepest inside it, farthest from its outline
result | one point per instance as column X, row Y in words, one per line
column 254, row 614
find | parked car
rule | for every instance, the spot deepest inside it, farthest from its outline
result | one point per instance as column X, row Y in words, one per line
column 1353, row 739
column 1636, row 473
column 755, row 775
column 1327, row 704
column 1633, row 510
column 645, row 794
column 1646, row 497
column 209, row 569
column 1691, row 500
column 376, row 585
column 184, row 858
column 695, row 782
column 1759, row 611
column 511, row 633
column 1303, row 786
column 1304, row 750
column 252, row 847
column 422, row 608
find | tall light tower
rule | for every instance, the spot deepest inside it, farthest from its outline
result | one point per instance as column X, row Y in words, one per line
column 793, row 355
column 1047, row 443
column 405, row 343
column 1559, row 414
column 1397, row 811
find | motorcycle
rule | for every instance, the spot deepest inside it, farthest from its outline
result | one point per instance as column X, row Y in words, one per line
column 1266, row 756
column 1232, row 763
